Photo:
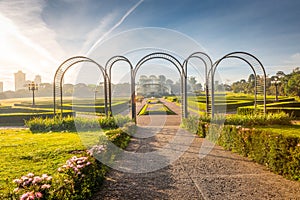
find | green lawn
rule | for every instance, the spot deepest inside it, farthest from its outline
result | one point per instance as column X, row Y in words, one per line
column 23, row 152
column 293, row 130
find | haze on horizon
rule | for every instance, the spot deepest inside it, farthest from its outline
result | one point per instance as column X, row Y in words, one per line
column 37, row 35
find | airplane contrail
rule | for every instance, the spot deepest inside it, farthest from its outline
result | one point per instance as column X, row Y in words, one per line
column 115, row 26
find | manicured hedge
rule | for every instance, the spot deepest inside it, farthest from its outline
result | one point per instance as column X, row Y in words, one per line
column 20, row 118
column 116, row 107
column 284, row 104
column 21, row 110
column 164, row 110
column 58, row 124
column 279, row 152
column 292, row 111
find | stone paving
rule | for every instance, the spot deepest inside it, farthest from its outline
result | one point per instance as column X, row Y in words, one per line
column 203, row 171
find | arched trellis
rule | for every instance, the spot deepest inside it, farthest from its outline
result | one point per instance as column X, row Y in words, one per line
column 251, row 60
column 108, row 67
column 176, row 63
column 59, row 75
column 210, row 70
column 207, row 67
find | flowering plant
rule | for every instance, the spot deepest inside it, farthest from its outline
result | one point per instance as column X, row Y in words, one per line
column 79, row 176
column 33, row 187
column 95, row 150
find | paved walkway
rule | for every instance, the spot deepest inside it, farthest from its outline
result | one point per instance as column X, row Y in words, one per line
column 198, row 174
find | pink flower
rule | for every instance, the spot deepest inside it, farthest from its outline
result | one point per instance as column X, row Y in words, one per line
column 30, row 175
column 44, row 176
column 298, row 145
column 24, row 196
column 26, row 183
column 38, row 195
column 49, row 178
column 80, row 166
column 45, row 186
column 88, row 163
column 37, row 179
column 16, row 190
column 17, row 181
column 27, row 196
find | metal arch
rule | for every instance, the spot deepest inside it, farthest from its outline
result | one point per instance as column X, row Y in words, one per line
column 264, row 73
column 195, row 55
column 108, row 67
column 255, row 75
column 61, row 69
column 176, row 63
column 231, row 55
column 161, row 55
column 57, row 76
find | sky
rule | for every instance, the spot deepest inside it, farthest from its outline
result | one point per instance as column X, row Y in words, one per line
column 36, row 36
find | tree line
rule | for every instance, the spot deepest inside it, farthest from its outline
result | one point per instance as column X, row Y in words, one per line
column 287, row 84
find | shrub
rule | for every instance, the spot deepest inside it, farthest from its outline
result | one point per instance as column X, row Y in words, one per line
column 59, row 124
column 292, row 111
column 33, row 187
column 79, row 178
column 281, row 153
column 196, row 126
column 21, row 118
column 118, row 137
column 259, row 119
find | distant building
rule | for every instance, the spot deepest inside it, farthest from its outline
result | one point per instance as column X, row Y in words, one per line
column 1, row 87
column 38, row 79
column 153, row 86
column 20, row 80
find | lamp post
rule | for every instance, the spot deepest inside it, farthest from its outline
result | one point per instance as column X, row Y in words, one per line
column 33, row 87
column 276, row 83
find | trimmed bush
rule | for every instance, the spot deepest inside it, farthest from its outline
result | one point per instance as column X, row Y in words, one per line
column 59, row 124
column 292, row 111
column 155, row 109
column 194, row 125
column 21, row 118
column 280, row 153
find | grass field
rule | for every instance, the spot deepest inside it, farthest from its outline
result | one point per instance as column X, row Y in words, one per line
column 292, row 130
column 23, row 152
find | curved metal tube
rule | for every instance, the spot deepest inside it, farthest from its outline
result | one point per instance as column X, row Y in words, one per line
column 231, row 55
column 85, row 59
column 108, row 67
column 195, row 55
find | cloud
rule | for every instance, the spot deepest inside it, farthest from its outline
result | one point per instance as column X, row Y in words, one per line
column 93, row 35
column 115, row 26
column 294, row 59
column 290, row 63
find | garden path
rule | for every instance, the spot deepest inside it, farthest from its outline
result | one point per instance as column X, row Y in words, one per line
column 215, row 174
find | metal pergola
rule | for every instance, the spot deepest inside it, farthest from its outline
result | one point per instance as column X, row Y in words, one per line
column 182, row 68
